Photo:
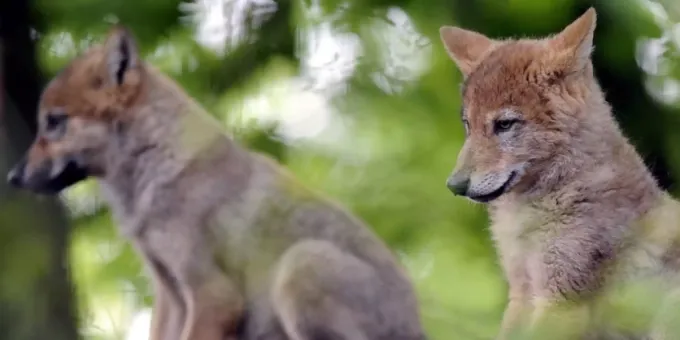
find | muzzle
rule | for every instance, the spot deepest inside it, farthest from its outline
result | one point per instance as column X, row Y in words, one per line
column 47, row 178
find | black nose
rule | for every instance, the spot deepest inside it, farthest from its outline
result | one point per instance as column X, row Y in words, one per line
column 15, row 176
column 458, row 184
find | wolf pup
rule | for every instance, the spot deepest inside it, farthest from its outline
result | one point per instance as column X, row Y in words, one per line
column 574, row 210
column 236, row 247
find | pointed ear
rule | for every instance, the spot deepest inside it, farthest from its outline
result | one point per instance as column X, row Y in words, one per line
column 465, row 47
column 575, row 43
column 121, row 54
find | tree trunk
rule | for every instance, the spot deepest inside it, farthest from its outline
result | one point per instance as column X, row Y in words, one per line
column 35, row 291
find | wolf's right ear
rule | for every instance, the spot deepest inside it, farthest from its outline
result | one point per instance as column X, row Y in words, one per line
column 465, row 47
column 121, row 54
column 572, row 47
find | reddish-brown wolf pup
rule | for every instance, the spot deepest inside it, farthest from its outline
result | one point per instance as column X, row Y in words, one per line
column 574, row 209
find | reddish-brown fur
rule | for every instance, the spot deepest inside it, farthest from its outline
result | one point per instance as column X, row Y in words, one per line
column 80, row 90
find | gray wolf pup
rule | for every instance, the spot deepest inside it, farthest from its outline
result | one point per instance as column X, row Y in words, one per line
column 236, row 247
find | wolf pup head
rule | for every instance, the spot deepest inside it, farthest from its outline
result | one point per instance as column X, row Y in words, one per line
column 78, row 114
column 522, row 102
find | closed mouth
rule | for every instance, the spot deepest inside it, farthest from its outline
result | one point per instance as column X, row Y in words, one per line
column 71, row 174
column 496, row 193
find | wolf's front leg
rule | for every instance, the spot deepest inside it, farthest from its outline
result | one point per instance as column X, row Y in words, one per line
column 559, row 319
column 566, row 278
column 513, row 316
column 167, row 314
column 161, row 315
column 519, row 300
column 214, row 309
column 168, row 310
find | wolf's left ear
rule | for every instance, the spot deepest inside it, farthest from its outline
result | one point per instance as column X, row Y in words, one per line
column 575, row 43
column 121, row 54
column 465, row 47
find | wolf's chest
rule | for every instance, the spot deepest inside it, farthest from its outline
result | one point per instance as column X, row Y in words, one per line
column 519, row 234
column 519, row 227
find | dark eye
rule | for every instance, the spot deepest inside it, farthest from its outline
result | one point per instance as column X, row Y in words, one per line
column 502, row 125
column 55, row 121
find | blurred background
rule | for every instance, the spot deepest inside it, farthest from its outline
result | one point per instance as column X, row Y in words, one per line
column 356, row 97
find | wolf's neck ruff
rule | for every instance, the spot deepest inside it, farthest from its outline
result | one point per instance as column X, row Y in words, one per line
column 185, row 138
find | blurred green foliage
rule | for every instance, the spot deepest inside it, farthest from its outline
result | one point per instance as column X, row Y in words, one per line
column 359, row 99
